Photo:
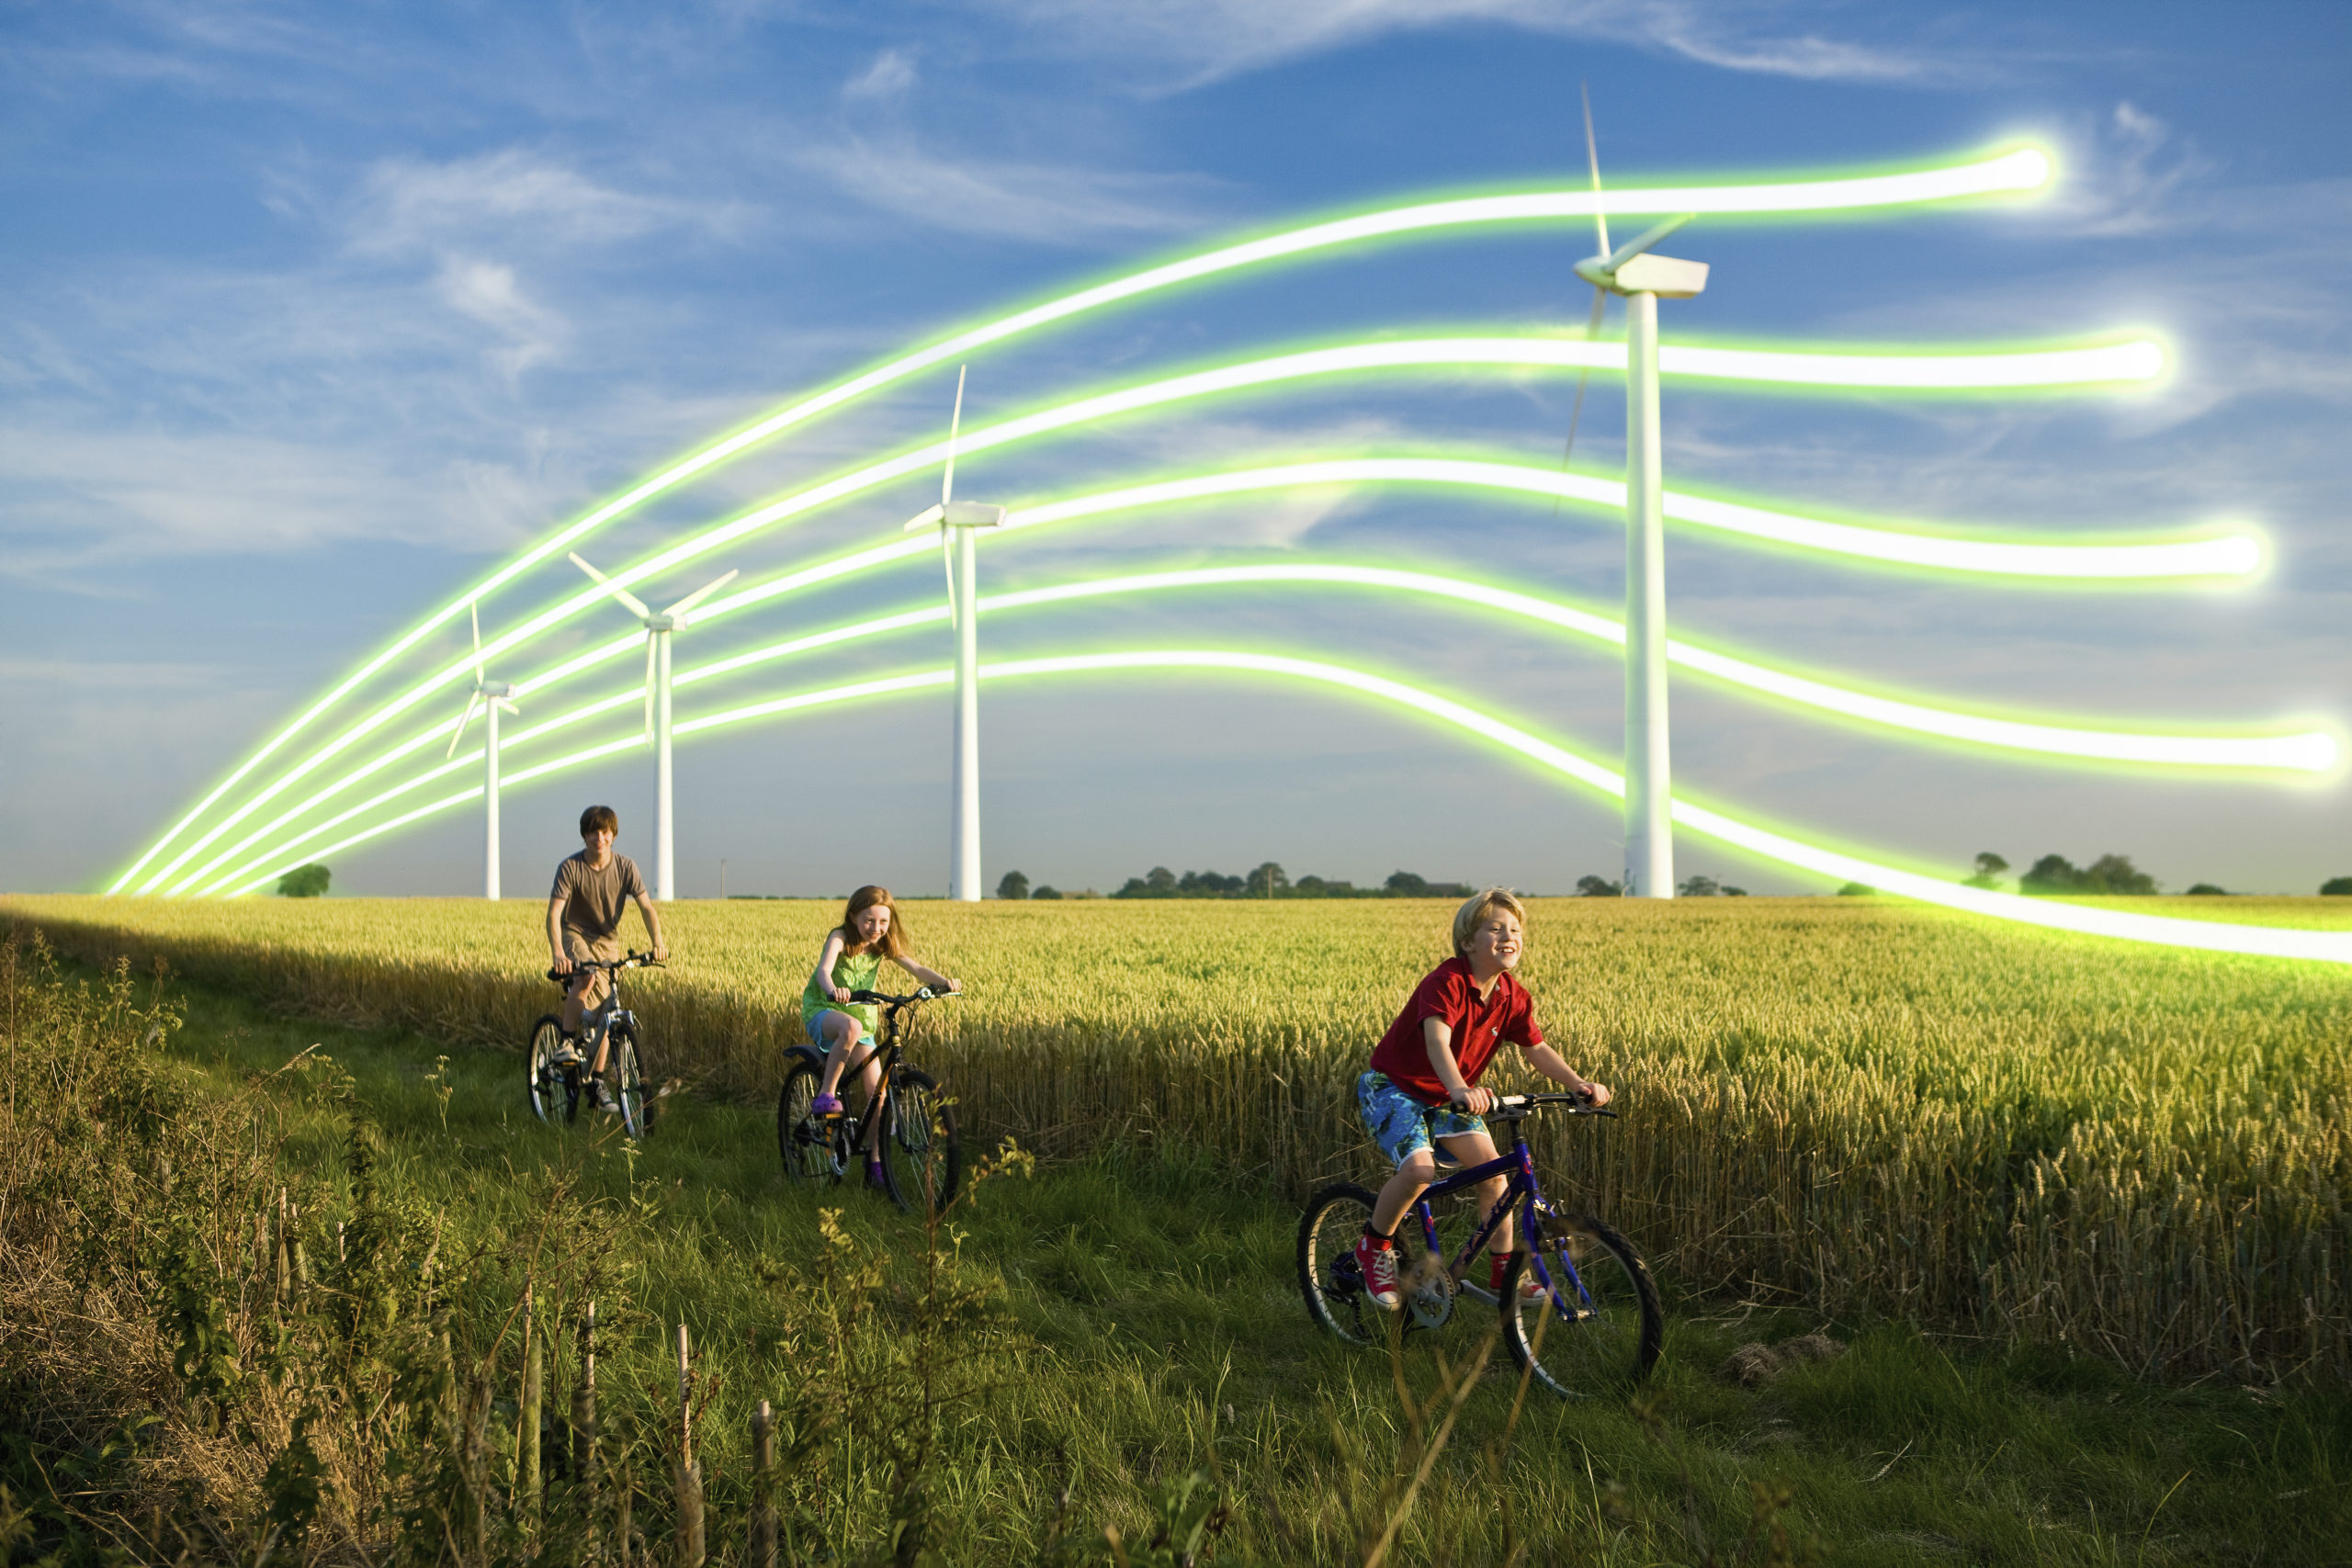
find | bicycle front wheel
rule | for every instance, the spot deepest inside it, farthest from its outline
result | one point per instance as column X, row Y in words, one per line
column 1328, row 1276
column 921, row 1159
column 628, row 1082
column 554, row 1091
column 1598, row 1326
column 803, row 1137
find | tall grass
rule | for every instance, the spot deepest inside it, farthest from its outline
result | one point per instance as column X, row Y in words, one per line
column 1851, row 1106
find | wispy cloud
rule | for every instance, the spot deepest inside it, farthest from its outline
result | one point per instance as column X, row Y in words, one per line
column 888, row 77
column 1054, row 204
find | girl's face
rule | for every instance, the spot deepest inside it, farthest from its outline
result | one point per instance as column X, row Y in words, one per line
column 1495, row 945
column 871, row 922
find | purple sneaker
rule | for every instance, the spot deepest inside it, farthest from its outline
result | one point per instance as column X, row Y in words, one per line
column 874, row 1177
column 825, row 1105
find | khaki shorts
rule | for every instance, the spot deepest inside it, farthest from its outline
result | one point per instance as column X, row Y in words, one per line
column 577, row 945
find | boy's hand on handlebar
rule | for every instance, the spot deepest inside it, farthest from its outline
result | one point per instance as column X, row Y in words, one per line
column 660, row 952
column 1474, row 1100
column 1596, row 1092
column 562, row 964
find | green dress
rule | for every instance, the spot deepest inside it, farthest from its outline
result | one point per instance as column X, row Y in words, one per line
column 853, row 972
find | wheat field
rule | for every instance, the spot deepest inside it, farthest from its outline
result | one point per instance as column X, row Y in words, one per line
column 1859, row 1106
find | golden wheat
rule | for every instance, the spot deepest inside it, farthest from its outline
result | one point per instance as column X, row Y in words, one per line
column 1862, row 1106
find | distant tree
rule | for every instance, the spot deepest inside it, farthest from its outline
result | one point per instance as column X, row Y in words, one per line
column 1209, row 884
column 1161, row 881
column 2337, row 888
column 304, row 882
column 1989, row 867
column 1700, row 887
column 1405, row 885
column 1046, row 890
column 1268, row 881
column 1856, row 890
column 1014, row 886
column 2204, row 890
column 2116, row 874
column 1598, row 888
column 1734, row 892
column 2052, row 874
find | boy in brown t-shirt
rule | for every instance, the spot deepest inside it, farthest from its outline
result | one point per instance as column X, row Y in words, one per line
column 591, row 892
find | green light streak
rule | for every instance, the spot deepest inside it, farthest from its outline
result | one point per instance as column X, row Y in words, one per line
column 2332, row 947
column 2310, row 751
column 1518, row 352
column 2014, row 171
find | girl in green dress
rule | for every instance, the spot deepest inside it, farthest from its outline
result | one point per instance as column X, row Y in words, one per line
column 870, row 931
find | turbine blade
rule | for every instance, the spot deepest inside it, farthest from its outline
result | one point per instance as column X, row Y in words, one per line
column 476, row 614
column 677, row 612
column 1634, row 247
column 1592, row 156
column 1576, row 409
column 636, row 604
column 948, row 560
column 649, row 685
column 929, row 517
column 465, row 718
column 955, row 423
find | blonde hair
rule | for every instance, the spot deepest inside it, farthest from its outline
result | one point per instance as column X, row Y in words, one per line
column 1473, row 914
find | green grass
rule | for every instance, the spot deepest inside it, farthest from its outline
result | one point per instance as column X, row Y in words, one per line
column 1151, row 1327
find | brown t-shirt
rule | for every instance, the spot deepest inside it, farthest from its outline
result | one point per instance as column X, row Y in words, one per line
column 594, row 900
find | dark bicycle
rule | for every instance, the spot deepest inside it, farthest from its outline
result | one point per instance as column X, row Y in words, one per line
column 557, row 1086
column 922, row 1161
column 1596, row 1323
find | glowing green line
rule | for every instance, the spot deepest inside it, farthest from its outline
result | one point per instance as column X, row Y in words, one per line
column 2018, row 170
column 2312, row 751
column 2332, row 947
column 2118, row 359
column 2236, row 554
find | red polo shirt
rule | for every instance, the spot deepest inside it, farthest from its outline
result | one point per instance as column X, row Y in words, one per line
column 1479, row 1028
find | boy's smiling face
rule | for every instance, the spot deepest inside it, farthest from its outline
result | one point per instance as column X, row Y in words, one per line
column 598, row 842
column 1495, row 945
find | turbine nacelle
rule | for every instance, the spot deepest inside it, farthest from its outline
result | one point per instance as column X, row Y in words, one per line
column 957, row 515
column 1631, row 269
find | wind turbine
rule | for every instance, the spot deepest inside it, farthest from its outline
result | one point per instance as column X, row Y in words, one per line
column 658, row 625
column 1642, row 279
column 492, row 696
column 961, row 517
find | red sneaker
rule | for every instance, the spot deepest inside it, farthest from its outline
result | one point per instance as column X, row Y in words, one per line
column 1531, row 1289
column 1376, row 1260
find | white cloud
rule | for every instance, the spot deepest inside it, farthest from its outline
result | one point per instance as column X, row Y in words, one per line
column 1042, row 203
column 511, row 197
column 888, row 77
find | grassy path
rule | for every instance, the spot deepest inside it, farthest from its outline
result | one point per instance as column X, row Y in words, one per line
column 1156, row 1330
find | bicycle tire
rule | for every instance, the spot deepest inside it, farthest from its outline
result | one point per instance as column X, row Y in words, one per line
column 802, row 1139
column 1328, row 1278
column 921, row 1156
column 627, row 1065
column 553, row 1090
column 1614, row 1328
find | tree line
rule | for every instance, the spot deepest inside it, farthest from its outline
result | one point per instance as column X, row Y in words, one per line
column 1268, row 881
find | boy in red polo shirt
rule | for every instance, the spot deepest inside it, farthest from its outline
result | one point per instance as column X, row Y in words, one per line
column 1424, row 1079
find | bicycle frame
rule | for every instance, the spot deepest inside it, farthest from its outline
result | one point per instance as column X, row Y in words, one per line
column 1520, row 1188
column 889, row 1052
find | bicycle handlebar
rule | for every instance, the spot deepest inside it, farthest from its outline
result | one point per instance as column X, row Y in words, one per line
column 1576, row 1104
column 633, row 961
column 922, row 994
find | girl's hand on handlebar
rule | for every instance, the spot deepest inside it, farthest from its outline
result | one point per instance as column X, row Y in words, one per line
column 954, row 985
column 1474, row 1100
column 840, row 993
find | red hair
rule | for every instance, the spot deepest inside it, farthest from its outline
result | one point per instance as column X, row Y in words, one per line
column 894, row 939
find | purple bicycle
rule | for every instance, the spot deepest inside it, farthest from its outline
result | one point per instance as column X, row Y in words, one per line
column 1594, row 1324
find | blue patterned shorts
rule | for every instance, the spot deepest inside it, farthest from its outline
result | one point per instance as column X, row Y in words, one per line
column 1402, row 1127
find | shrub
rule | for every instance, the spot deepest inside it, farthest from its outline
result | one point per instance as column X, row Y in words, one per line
column 2337, row 888
column 304, row 882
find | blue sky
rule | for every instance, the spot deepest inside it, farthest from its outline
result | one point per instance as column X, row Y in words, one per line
column 311, row 317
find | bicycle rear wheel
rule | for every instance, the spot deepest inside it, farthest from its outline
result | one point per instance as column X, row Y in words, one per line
column 1598, row 1326
column 554, row 1091
column 629, row 1081
column 922, row 1160
column 1328, row 1276
column 810, row 1146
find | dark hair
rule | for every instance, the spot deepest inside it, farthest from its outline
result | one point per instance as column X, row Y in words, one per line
column 597, row 816
column 894, row 939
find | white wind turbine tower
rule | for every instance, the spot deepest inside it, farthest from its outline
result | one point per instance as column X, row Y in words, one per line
column 960, row 517
column 492, row 696
column 658, row 625
column 1642, row 279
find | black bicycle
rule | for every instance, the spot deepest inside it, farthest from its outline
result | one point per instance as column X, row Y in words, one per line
column 558, row 1086
column 1593, row 1322
column 922, row 1161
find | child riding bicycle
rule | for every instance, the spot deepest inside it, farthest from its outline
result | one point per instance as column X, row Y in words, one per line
column 585, row 910
column 870, row 931
column 1423, row 1081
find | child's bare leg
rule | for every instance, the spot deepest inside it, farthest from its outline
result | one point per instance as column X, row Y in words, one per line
column 869, row 1077
column 1402, row 1190
column 1477, row 1149
column 842, row 1033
